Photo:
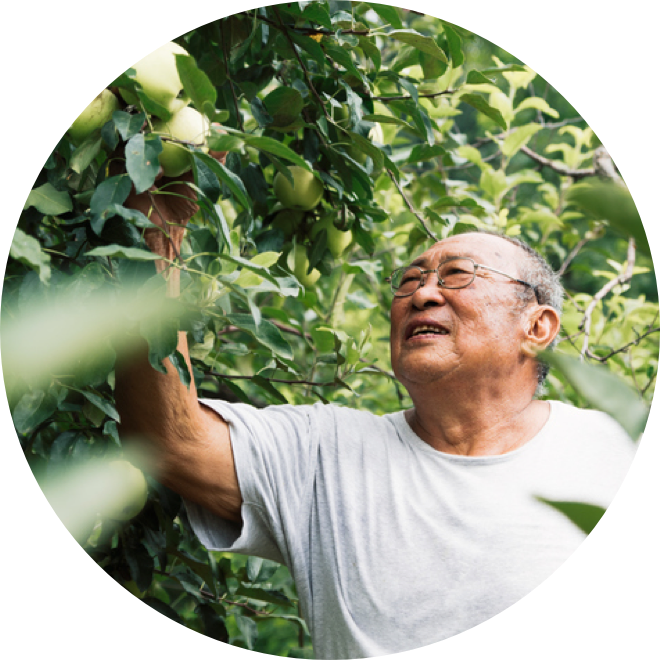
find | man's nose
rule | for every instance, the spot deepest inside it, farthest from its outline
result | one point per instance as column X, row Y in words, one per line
column 429, row 293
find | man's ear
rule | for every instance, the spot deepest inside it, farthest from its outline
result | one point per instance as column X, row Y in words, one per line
column 541, row 328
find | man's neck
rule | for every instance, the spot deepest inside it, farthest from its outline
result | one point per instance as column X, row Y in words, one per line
column 477, row 425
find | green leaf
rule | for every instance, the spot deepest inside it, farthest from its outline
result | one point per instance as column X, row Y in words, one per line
column 264, row 595
column 420, row 42
column 284, row 105
column 142, row 160
column 162, row 338
column 603, row 390
column 181, row 367
column 233, row 182
column 128, row 125
column 585, row 516
column 537, row 103
column 479, row 103
column 196, row 85
column 85, row 153
column 343, row 57
column 517, row 138
column 276, row 148
column 134, row 254
column 612, row 202
column 206, row 180
column 33, row 408
column 114, row 190
column 267, row 334
column 422, row 152
column 248, row 628
column 389, row 14
column 267, row 386
column 454, row 42
column 27, row 250
column 477, row 78
column 48, row 200
column 388, row 119
column 317, row 12
column 310, row 46
column 102, row 404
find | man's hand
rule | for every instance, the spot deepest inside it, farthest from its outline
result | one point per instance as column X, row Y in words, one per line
column 169, row 204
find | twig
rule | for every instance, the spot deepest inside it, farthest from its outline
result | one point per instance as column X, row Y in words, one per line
column 635, row 342
column 385, row 99
column 276, row 380
column 302, row 64
column 306, row 30
column 223, row 46
column 410, row 207
column 624, row 277
column 558, row 167
column 571, row 256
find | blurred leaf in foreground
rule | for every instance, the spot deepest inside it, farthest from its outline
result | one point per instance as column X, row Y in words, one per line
column 585, row 516
column 66, row 334
column 615, row 204
column 603, row 390
column 108, row 489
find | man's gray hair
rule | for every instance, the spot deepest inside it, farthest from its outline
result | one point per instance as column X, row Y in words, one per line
column 535, row 270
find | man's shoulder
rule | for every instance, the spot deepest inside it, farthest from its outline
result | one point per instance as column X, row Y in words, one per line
column 586, row 426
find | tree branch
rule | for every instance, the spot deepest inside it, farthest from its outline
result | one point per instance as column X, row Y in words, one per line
column 630, row 344
column 302, row 64
column 557, row 166
column 571, row 256
column 427, row 229
column 624, row 277
column 385, row 99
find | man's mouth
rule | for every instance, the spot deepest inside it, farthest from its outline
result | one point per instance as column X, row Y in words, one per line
column 426, row 331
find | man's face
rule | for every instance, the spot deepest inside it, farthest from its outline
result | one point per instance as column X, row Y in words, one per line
column 478, row 328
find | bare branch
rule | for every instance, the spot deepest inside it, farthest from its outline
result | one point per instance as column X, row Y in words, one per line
column 302, row 64
column 410, row 207
column 630, row 344
column 624, row 277
column 571, row 256
column 433, row 95
column 557, row 166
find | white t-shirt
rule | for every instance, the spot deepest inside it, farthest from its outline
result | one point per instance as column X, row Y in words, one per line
column 394, row 545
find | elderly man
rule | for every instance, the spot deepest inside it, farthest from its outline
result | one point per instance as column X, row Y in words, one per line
column 408, row 528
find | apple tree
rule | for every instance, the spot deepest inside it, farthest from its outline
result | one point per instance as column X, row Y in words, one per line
column 320, row 145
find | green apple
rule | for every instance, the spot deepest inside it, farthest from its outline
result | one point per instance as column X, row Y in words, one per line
column 94, row 116
column 187, row 125
column 301, row 266
column 288, row 221
column 338, row 240
column 376, row 134
column 158, row 76
column 342, row 115
column 134, row 490
column 304, row 195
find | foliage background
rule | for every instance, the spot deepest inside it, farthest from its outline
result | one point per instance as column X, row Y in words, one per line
column 458, row 166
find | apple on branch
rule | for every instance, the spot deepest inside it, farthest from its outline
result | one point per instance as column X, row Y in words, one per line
column 338, row 240
column 299, row 264
column 93, row 117
column 304, row 195
column 186, row 125
column 159, row 77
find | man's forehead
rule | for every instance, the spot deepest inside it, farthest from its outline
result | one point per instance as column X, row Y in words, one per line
column 488, row 249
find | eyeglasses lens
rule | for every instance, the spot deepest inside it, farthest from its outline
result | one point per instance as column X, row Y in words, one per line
column 452, row 274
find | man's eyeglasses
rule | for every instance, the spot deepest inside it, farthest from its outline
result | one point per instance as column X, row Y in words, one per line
column 453, row 273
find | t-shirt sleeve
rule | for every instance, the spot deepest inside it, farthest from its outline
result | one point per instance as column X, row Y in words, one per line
column 275, row 452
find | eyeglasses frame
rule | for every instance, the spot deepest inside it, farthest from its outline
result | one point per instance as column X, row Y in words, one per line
column 442, row 285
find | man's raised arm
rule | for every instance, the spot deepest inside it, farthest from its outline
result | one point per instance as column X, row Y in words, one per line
column 190, row 443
